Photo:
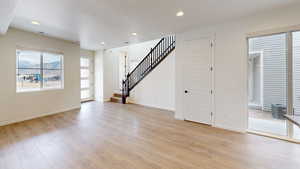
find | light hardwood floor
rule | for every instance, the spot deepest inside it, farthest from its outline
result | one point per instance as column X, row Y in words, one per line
column 116, row 136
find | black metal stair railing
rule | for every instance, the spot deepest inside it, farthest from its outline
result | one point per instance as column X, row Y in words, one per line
column 157, row 54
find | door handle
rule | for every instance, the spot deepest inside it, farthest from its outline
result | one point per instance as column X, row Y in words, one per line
column 185, row 91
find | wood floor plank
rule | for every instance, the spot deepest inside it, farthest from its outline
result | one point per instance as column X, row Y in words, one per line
column 116, row 136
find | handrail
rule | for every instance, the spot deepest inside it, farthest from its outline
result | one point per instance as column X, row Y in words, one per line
column 156, row 55
column 146, row 56
column 147, row 73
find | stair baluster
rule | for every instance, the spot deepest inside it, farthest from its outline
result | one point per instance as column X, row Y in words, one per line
column 156, row 55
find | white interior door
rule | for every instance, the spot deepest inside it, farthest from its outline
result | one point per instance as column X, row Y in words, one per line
column 198, row 80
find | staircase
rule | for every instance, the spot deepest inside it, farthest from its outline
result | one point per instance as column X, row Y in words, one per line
column 117, row 98
column 157, row 54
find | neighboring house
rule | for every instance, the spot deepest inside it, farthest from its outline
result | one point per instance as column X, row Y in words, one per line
column 296, row 69
column 268, row 72
column 272, row 80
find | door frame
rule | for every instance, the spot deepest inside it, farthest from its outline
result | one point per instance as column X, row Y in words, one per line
column 290, row 86
column 212, row 39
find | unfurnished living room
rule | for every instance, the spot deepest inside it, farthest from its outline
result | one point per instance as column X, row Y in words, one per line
column 149, row 84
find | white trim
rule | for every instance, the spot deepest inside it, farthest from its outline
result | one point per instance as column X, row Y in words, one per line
column 283, row 138
column 273, row 31
column 177, row 117
column 213, row 105
column 39, row 90
column 87, row 100
column 6, row 122
column 230, row 128
column 43, row 50
column 152, row 106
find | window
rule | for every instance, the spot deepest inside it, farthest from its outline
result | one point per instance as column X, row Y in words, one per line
column 38, row 71
column 87, row 78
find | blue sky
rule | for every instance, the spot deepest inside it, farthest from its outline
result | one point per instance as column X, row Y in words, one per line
column 34, row 57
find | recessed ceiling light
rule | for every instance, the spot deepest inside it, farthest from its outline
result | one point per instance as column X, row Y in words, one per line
column 134, row 34
column 35, row 22
column 102, row 43
column 180, row 13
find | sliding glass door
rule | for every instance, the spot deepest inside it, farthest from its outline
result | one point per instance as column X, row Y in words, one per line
column 274, row 84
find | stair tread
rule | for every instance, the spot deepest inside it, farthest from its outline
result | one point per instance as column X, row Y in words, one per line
column 117, row 95
column 118, row 98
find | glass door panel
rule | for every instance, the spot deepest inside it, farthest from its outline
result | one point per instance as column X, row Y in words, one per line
column 87, row 78
column 267, row 84
column 296, row 81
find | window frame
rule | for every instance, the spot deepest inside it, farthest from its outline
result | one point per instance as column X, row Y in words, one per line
column 41, row 69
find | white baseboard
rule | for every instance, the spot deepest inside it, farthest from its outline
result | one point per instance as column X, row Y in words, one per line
column 6, row 122
column 151, row 106
column 177, row 117
column 240, row 130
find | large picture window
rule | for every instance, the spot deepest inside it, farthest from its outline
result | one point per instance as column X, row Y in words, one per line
column 38, row 71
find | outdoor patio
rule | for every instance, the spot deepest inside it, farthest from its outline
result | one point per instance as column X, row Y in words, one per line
column 263, row 121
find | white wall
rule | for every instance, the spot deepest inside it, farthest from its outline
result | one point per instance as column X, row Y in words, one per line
column 156, row 90
column 231, row 63
column 21, row 106
column 87, row 53
column 137, row 52
column 110, row 73
column 230, row 68
column 99, row 93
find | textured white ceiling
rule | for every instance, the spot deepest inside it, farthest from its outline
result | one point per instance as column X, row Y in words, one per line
column 112, row 21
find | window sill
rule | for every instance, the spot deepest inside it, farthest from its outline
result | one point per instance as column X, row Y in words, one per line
column 39, row 90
